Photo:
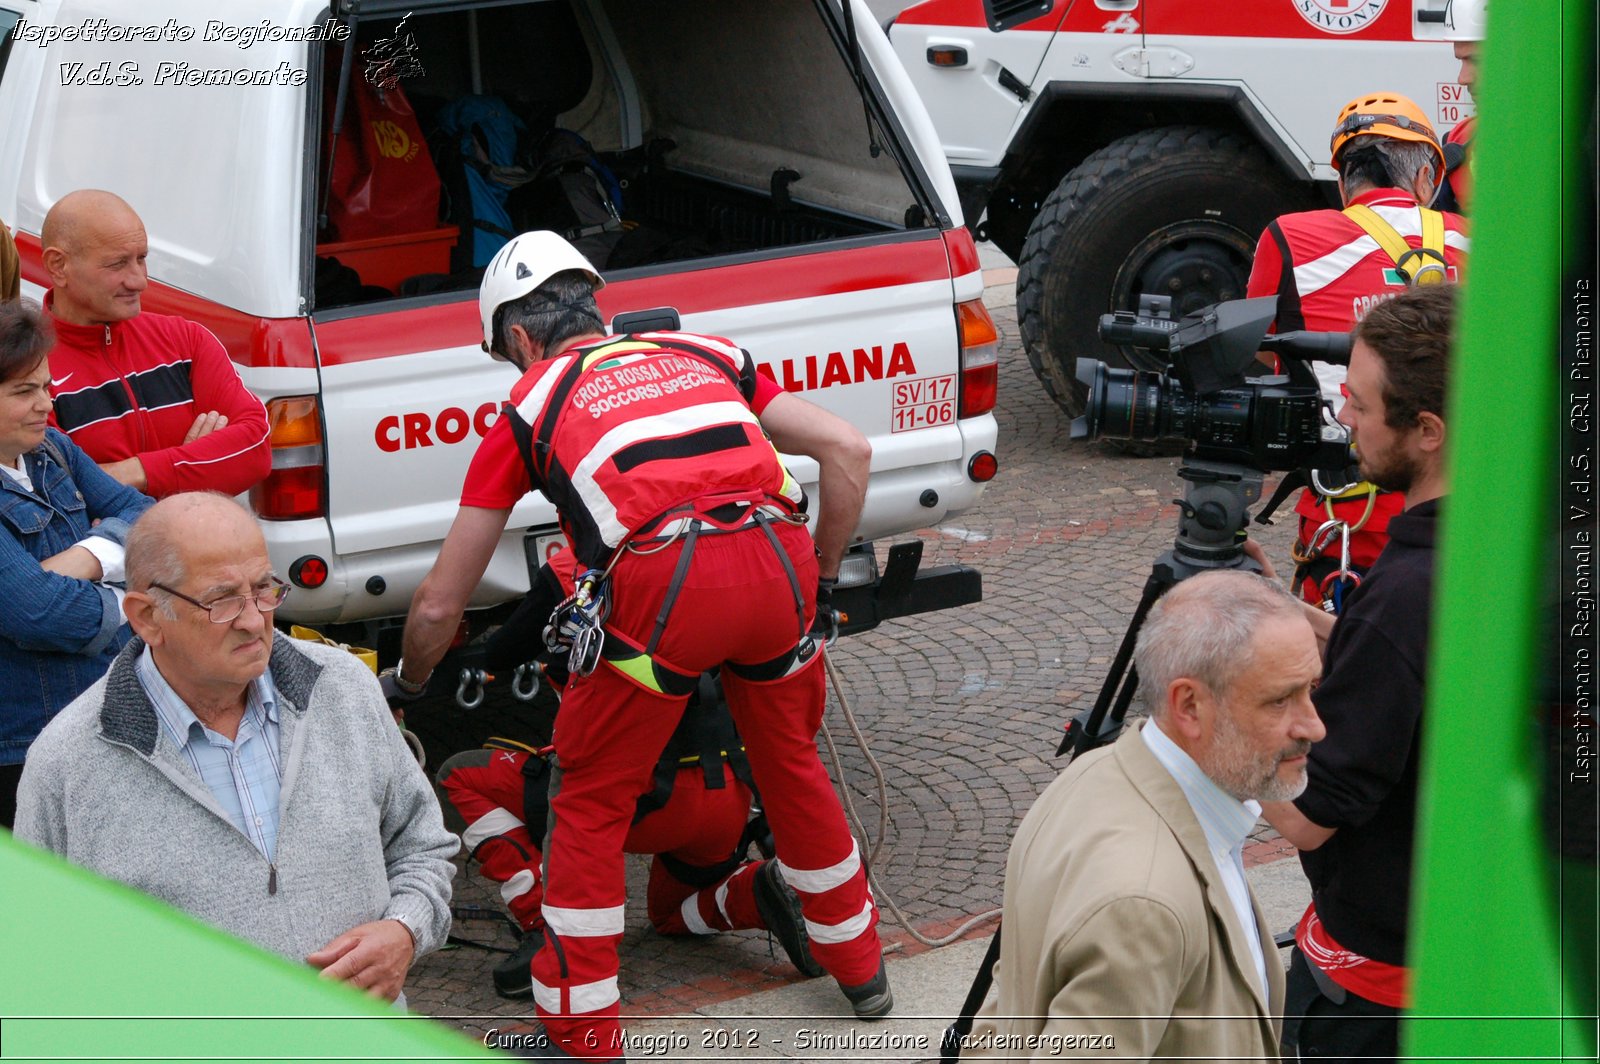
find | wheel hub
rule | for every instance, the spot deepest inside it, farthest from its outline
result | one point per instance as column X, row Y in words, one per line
column 1193, row 263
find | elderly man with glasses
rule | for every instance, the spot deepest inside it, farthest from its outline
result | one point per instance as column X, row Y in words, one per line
column 257, row 784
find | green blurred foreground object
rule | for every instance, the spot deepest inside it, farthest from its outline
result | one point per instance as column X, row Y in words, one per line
column 97, row 971
column 1505, row 945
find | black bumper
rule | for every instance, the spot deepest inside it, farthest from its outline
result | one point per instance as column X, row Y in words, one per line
column 905, row 589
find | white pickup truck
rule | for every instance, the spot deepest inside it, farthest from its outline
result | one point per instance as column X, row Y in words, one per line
column 779, row 177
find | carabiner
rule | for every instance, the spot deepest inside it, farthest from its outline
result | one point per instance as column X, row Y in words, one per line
column 469, row 692
column 525, row 682
column 1324, row 534
column 584, row 657
column 1329, row 491
column 832, row 630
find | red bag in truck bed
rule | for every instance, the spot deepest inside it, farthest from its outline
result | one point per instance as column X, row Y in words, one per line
column 384, row 182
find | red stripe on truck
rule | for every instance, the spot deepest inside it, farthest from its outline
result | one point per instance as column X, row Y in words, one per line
column 383, row 333
column 1373, row 20
column 969, row 13
column 963, row 252
column 1367, row 20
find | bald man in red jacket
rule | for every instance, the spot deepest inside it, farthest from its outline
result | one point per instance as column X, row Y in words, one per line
column 154, row 399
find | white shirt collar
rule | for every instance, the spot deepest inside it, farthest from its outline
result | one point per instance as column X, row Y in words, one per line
column 1225, row 820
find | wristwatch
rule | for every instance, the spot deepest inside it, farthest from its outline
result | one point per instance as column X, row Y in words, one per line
column 405, row 922
column 408, row 686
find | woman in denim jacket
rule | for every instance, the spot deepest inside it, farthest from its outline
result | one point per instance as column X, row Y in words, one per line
column 62, row 524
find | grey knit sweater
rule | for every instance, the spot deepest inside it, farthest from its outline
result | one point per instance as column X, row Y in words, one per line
column 360, row 835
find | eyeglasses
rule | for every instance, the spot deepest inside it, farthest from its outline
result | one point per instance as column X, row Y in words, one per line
column 224, row 610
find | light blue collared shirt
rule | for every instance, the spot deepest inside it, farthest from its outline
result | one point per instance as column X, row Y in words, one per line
column 244, row 774
column 1226, row 822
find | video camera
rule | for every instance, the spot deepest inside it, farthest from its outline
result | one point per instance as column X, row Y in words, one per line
column 1238, row 428
column 1264, row 422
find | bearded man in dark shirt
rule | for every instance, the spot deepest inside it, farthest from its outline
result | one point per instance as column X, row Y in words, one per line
column 1355, row 823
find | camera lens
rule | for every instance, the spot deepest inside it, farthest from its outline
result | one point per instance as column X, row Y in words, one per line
column 1136, row 403
column 1125, row 403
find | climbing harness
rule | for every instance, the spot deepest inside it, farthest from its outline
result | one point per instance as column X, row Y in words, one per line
column 1409, row 262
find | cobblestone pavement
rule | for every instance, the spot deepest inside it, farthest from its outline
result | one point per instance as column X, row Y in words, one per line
column 962, row 709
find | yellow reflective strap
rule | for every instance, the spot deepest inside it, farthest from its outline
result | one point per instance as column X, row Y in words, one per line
column 1355, row 491
column 639, row 669
column 1393, row 244
column 1433, row 243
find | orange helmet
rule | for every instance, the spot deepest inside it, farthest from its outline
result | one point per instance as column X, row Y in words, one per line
column 1385, row 114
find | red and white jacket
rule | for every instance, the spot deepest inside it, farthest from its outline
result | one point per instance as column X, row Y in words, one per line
column 1460, row 179
column 1327, row 272
column 133, row 389
column 629, row 428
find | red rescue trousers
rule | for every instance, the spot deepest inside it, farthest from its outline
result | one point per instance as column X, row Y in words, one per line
column 698, row 826
column 736, row 605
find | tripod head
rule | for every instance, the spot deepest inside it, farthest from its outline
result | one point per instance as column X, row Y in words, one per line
column 1212, row 514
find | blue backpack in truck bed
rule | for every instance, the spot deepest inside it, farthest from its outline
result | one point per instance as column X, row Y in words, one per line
column 477, row 156
column 497, row 190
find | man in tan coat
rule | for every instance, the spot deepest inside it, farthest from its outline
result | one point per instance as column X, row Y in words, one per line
column 1129, row 928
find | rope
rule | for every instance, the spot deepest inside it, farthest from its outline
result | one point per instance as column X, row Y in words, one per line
column 872, row 846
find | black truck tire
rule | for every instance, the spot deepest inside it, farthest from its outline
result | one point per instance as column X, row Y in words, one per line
column 1174, row 211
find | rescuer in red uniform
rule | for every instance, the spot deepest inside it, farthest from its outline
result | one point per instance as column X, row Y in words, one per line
column 1464, row 29
column 1329, row 267
column 694, row 818
column 660, row 451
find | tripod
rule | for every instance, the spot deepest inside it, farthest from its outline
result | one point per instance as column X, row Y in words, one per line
column 1214, row 509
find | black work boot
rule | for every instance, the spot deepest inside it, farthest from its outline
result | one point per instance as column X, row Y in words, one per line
column 872, row 999
column 780, row 911
column 513, row 977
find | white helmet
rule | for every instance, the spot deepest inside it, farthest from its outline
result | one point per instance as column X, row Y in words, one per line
column 525, row 263
column 1464, row 20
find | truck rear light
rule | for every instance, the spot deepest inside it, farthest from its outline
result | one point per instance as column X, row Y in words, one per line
column 980, row 358
column 983, row 467
column 858, row 568
column 297, row 486
column 309, row 571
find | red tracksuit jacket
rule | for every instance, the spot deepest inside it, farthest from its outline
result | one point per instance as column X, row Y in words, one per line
column 133, row 389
